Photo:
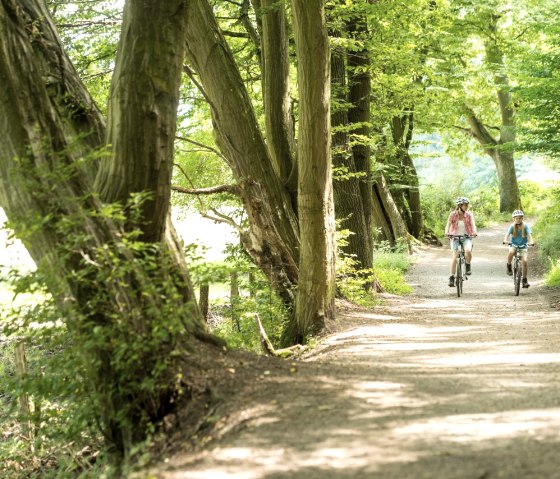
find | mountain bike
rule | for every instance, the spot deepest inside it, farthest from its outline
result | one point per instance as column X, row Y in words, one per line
column 461, row 268
column 517, row 268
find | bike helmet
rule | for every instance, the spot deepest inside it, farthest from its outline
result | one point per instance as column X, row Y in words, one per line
column 462, row 201
column 517, row 213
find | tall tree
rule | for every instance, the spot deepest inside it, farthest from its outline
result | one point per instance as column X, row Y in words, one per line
column 316, row 288
column 49, row 127
column 273, row 236
column 348, row 180
column 502, row 148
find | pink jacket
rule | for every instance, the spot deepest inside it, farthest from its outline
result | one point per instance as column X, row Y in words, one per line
column 453, row 219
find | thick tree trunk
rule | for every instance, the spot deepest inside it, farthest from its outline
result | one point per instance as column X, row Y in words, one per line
column 501, row 150
column 348, row 201
column 407, row 195
column 43, row 184
column 276, row 92
column 273, row 239
column 144, row 97
column 360, row 114
column 316, row 287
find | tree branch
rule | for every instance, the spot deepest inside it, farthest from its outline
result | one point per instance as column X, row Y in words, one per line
column 233, row 189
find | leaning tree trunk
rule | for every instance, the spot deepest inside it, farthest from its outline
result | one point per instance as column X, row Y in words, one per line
column 409, row 192
column 502, row 149
column 316, row 286
column 273, row 237
column 43, row 184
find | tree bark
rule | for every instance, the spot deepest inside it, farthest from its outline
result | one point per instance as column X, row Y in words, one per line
column 359, row 114
column 273, row 237
column 45, row 185
column 276, row 93
column 144, row 97
column 348, row 200
column 316, row 287
column 502, row 149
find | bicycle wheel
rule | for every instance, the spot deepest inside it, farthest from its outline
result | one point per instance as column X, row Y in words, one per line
column 459, row 276
column 517, row 277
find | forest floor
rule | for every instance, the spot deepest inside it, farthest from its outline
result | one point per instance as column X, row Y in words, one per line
column 423, row 386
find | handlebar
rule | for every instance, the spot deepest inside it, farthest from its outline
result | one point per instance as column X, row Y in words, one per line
column 516, row 246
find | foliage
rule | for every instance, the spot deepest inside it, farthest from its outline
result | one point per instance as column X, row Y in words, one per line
column 71, row 344
column 553, row 275
column 547, row 229
column 538, row 67
column 90, row 32
column 389, row 266
column 234, row 318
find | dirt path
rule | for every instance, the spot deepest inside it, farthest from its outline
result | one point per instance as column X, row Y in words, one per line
column 428, row 386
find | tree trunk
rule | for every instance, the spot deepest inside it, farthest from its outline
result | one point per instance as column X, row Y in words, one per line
column 203, row 301
column 349, row 207
column 360, row 115
column 316, row 287
column 501, row 150
column 276, row 92
column 408, row 192
column 44, row 184
column 273, row 239
column 387, row 215
column 144, row 97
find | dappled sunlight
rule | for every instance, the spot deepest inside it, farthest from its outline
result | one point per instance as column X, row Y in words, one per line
column 492, row 358
column 398, row 331
column 380, row 317
column 384, row 395
column 260, row 463
column 541, row 423
column 438, row 304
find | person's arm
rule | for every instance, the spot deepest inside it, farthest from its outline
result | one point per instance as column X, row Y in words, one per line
column 529, row 236
column 474, row 225
column 446, row 232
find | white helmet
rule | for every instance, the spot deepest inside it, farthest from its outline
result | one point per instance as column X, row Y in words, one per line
column 517, row 213
column 462, row 201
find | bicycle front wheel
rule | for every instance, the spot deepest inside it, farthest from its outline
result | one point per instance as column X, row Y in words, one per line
column 459, row 277
column 517, row 278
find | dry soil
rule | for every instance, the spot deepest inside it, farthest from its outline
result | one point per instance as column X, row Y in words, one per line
column 424, row 386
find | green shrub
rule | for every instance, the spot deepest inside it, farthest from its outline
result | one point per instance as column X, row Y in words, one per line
column 552, row 278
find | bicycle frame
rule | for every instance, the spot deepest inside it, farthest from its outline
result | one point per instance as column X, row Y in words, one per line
column 461, row 268
column 517, row 269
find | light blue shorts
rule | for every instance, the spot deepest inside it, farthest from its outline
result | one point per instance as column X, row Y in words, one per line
column 454, row 244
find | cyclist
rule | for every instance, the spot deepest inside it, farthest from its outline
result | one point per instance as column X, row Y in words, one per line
column 519, row 234
column 460, row 223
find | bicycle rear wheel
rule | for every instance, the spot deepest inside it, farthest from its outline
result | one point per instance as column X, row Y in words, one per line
column 459, row 277
column 517, row 277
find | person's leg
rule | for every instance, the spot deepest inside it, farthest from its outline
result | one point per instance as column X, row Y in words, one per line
column 455, row 251
column 524, row 268
column 509, row 259
column 468, row 254
column 454, row 262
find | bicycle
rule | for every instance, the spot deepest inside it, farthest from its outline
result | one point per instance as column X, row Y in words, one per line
column 516, row 268
column 461, row 268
